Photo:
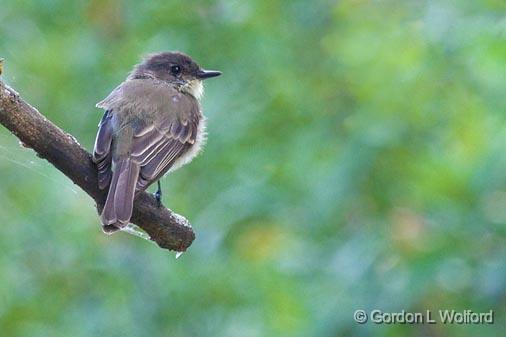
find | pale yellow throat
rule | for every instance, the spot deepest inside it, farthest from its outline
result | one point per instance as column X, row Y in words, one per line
column 194, row 88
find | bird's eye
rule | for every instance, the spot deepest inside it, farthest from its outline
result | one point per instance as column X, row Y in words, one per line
column 175, row 70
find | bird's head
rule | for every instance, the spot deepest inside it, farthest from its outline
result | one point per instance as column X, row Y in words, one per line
column 175, row 68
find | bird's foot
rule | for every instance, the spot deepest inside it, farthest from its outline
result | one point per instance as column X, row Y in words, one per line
column 158, row 197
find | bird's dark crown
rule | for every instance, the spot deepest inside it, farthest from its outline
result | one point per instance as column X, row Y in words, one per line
column 173, row 67
column 163, row 61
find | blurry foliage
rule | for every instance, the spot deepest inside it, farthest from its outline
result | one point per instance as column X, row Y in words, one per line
column 356, row 160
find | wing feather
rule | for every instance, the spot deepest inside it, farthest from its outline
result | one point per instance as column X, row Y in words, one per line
column 102, row 150
column 157, row 150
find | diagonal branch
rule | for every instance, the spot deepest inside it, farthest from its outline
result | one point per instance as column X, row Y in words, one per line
column 167, row 229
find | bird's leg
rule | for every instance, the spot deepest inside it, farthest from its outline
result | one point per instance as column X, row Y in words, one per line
column 158, row 194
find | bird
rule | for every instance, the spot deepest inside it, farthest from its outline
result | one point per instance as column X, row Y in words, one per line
column 152, row 124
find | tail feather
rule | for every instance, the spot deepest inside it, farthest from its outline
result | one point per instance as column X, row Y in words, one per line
column 119, row 204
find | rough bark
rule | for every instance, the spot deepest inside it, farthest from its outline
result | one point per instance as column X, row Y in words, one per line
column 167, row 229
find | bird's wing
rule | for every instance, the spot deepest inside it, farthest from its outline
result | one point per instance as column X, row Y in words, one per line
column 102, row 150
column 157, row 147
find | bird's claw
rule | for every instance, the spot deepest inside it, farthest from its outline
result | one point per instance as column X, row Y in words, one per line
column 158, row 197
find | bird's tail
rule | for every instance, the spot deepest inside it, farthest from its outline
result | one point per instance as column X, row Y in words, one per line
column 120, row 199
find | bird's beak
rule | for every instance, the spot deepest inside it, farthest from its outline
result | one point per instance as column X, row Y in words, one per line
column 203, row 74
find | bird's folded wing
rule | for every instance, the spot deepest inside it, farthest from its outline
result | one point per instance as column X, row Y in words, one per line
column 157, row 147
column 102, row 150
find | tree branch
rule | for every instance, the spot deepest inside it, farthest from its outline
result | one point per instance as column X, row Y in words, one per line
column 167, row 229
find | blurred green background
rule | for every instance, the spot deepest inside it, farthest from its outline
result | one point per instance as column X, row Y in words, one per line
column 356, row 160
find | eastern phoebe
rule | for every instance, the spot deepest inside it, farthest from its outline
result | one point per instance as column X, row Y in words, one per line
column 152, row 124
